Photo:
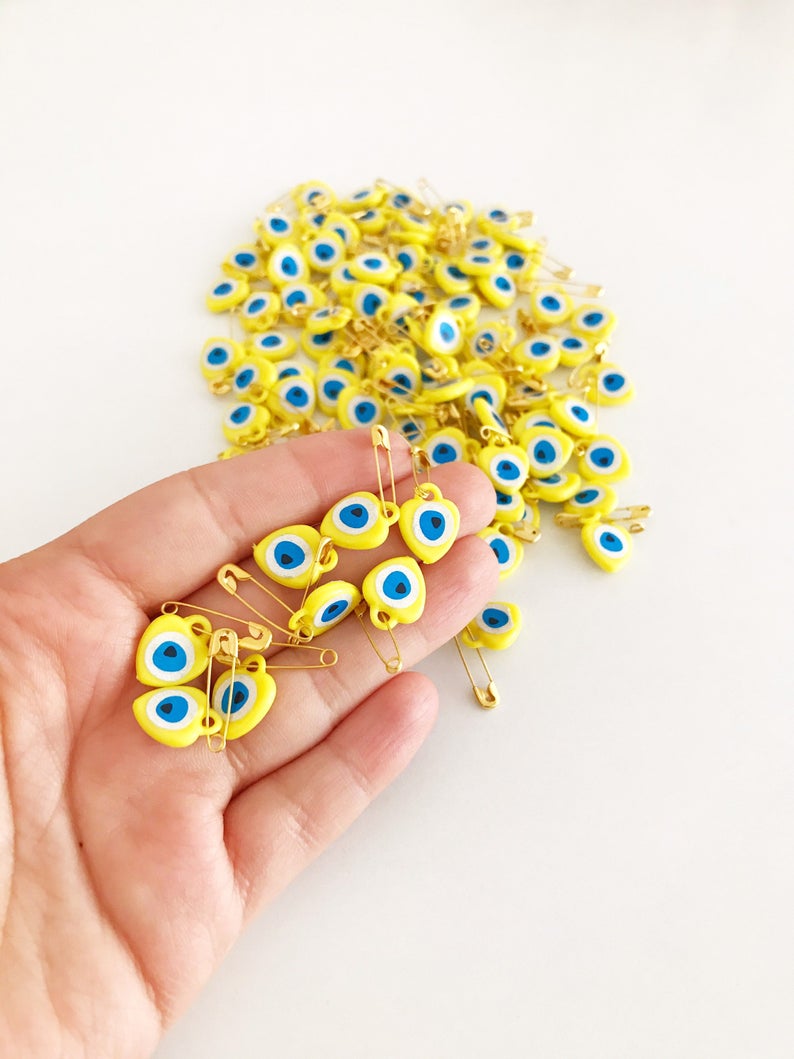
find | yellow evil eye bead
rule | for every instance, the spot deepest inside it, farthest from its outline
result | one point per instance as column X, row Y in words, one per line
column 592, row 500
column 292, row 397
column 573, row 349
column 557, row 487
column 173, row 650
column 219, row 357
column 319, row 346
column 487, row 416
column 245, row 423
column 325, row 251
column 274, row 228
column 368, row 298
column 246, row 699
column 175, row 716
column 509, row 550
column 593, row 321
column 363, row 199
column 490, row 388
column 446, row 446
column 549, row 307
column 402, row 375
column 286, row 264
column 443, row 333
column 607, row 544
column 510, row 507
column 548, row 450
column 515, row 262
column 604, row 460
column 244, row 262
column 260, row 310
column 413, row 430
column 412, row 257
column 355, row 365
column 541, row 418
column 330, row 384
column 371, row 221
column 506, row 465
column 492, row 338
column 573, row 416
column 477, row 263
column 451, row 279
column 445, row 390
column 358, row 521
column 227, row 293
column 252, row 380
column 310, row 220
column 498, row 288
column 373, row 267
column 495, row 218
column 415, row 227
column 540, row 353
column 359, row 408
column 271, row 345
column 299, row 299
column 465, row 306
column 344, row 227
column 325, row 607
column 315, row 194
column 342, row 281
column 610, row 385
column 429, row 524
column 484, row 244
column 293, row 556
column 328, row 318
column 395, row 592
column 496, row 626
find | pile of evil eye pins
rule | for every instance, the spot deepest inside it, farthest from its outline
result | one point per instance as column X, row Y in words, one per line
column 453, row 326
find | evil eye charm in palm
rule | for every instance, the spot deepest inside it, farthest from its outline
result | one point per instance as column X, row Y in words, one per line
column 245, row 699
column 173, row 650
column 175, row 716
column 296, row 556
column 359, row 521
column 325, row 607
column 429, row 524
column 395, row 592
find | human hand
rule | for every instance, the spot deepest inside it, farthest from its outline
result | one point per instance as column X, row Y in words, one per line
column 127, row 868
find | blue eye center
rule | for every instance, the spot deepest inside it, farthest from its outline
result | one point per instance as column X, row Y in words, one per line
column 613, row 381
column 289, row 266
column 572, row 343
column 539, row 349
column 396, row 586
column 269, row 341
column 217, row 356
column 503, row 283
column 332, row 389
column 507, row 469
column 278, row 224
column 587, row 496
column 485, row 394
column 365, row 411
column 240, row 415
column 172, row 709
column 354, row 515
column 245, row 260
column 334, row 610
column 455, row 272
column 500, row 549
column 544, row 452
column 223, row 288
column 244, row 378
column 443, row 453
column 239, row 697
column 611, row 541
column 296, row 297
column 459, row 303
column 297, row 396
column 432, row 524
column 548, row 301
column 371, row 304
column 603, row 457
column 324, row 251
column 592, row 319
column 288, row 554
column 495, row 619
column 580, row 413
column 514, row 260
column 170, row 657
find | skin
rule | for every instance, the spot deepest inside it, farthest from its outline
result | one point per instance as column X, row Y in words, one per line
column 128, row 868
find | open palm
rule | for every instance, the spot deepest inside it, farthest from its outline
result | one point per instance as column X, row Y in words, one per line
column 128, row 868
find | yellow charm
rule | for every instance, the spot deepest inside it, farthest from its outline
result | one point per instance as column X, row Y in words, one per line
column 592, row 500
column 295, row 556
column 429, row 524
column 247, row 699
column 443, row 333
column 273, row 345
column 498, row 288
column 226, row 294
column 593, row 321
column 548, row 450
column 244, row 262
column 573, row 416
column 173, row 650
column 220, row 357
column 448, row 445
column 253, row 379
column 260, row 310
column 357, row 407
column 541, row 354
column 293, row 396
column 557, row 488
column 496, row 626
column 245, row 423
column 607, row 544
column 286, row 264
column 507, row 548
column 549, row 307
column 325, row 251
column 325, row 607
column 359, row 521
column 175, row 716
column 395, row 592
column 610, row 385
column 604, row 460
column 510, row 507
column 506, row 465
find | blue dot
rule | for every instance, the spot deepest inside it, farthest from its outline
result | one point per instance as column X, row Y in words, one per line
column 410, row 430
column 503, row 283
column 348, row 275
column 173, row 709
column 498, row 215
column 587, row 496
column 333, row 388
column 296, row 297
column 289, row 266
column 539, row 349
column 592, row 319
column 324, row 251
column 285, row 373
column 610, row 541
column 361, row 194
column 334, row 610
column 218, row 355
column 485, row 394
column 405, row 260
column 244, row 378
column 170, row 657
column 256, row 305
column 548, row 301
column 401, row 199
column 572, row 343
column 371, row 304
column 501, row 550
column 289, row 555
column 323, row 339
column 481, row 259
column 342, row 363
column 455, row 272
column 494, row 618
column 552, row 479
column 396, row 586
column 354, row 515
column 432, row 524
column 373, row 263
column 240, row 415
column 444, row 453
column 459, row 303
column 508, row 470
column 417, row 295
column 223, row 288
column 580, row 412
column 342, row 233
column 270, row 341
column 515, row 261
column 504, row 499
column 368, row 215
column 544, row 452
column 278, row 224
column 244, row 260
column 297, row 396
column 602, row 457
column 402, row 383
column 446, row 331
column 614, row 381
column 365, row 411
column 239, row 698
column 544, row 423
column 480, row 244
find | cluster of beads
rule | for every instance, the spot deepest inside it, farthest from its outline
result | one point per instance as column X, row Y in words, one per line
column 453, row 326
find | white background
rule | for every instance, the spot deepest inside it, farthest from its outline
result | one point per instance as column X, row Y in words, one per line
column 603, row 867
